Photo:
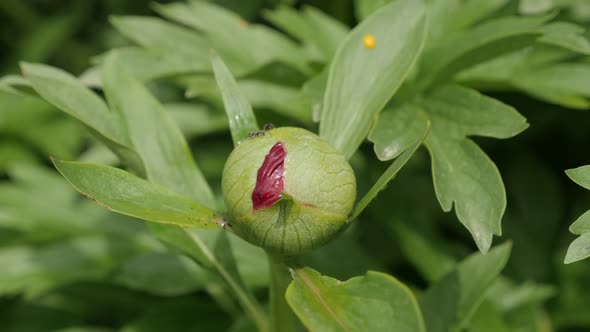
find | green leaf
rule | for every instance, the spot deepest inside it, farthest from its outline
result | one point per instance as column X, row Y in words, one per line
column 397, row 129
column 373, row 302
column 162, row 274
column 214, row 249
column 579, row 249
column 244, row 46
column 311, row 26
column 282, row 99
column 463, row 174
column 580, row 175
column 127, row 194
column 423, row 249
column 147, row 65
column 159, row 35
column 239, row 112
column 448, row 17
column 408, row 151
column 462, row 50
column 35, row 270
column 32, row 121
column 69, row 95
column 562, row 84
column 364, row 8
column 457, row 111
column 581, row 225
column 197, row 119
column 488, row 318
column 355, row 94
column 154, row 135
column 566, row 35
column 449, row 304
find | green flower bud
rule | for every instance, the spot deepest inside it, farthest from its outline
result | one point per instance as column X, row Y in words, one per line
column 287, row 190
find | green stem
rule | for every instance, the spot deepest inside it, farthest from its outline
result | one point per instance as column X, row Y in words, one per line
column 282, row 318
column 246, row 299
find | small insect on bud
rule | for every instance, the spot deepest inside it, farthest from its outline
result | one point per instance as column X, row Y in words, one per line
column 287, row 191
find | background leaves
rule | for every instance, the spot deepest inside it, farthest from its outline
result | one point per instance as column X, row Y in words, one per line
column 114, row 273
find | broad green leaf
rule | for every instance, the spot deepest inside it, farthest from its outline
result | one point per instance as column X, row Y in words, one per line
column 199, row 243
column 40, row 179
column 423, row 251
column 285, row 100
column 154, row 135
column 162, row 274
column 579, row 249
column 397, row 129
column 449, row 304
column 449, row 17
column 32, row 121
column 581, row 225
column 462, row 50
column 355, row 94
column 214, row 250
column 373, row 302
column 329, row 31
column 147, row 65
column 408, row 151
column 69, row 95
column 244, row 46
column 159, row 35
column 197, row 119
column 463, row 174
column 364, row 8
column 458, row 111
column 561, row 83
column 239, row 112
column 566, row 35
column 580, row 175
column 535, row 7
column 319, row 31
column 508, row 295
column 488, row 318
column 35, row 270
column 127, row 194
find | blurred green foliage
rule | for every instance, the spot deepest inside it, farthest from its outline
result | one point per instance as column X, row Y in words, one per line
column 70, row 265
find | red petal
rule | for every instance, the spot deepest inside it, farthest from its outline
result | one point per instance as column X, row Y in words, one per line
column 270, row 180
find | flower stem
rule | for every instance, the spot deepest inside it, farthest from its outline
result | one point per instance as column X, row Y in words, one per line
column 282, row 318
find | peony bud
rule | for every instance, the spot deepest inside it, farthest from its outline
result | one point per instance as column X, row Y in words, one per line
column 287, row 190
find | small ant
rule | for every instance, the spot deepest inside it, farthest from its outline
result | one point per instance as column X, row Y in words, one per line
column 267, row 127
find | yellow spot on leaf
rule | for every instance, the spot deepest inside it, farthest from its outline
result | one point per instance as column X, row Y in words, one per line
column 369, row 41
column 243, row 23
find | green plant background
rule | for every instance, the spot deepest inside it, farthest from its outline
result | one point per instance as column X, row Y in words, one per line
column 69, row 264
